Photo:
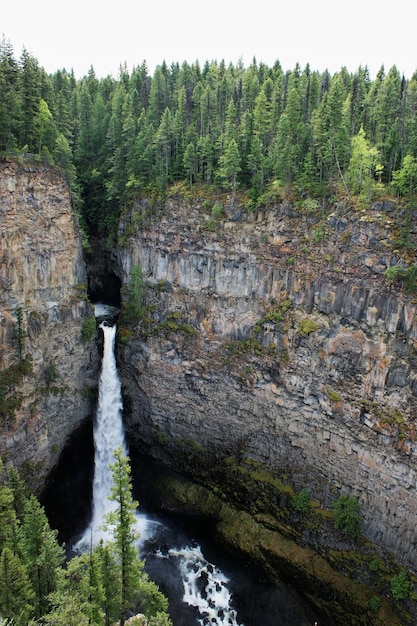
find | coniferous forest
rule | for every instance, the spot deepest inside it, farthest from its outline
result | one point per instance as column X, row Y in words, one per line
column 257, row 131
column 252, row 129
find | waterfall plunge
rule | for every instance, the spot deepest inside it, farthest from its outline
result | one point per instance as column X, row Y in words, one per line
column 108, row 437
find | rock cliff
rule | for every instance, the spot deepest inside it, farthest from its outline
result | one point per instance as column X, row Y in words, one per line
column 273, row 336
column 46, row 370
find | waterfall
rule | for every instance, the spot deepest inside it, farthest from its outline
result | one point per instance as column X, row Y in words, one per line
column 108, row 437
column 205, row 586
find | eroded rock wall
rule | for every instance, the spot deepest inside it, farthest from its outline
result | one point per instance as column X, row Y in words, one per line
column 42, row 272
column 274, row 336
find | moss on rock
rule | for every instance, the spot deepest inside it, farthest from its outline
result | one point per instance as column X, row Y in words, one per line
column 265, row 541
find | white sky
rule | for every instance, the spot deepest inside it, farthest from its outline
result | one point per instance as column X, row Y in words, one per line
column 324, row 33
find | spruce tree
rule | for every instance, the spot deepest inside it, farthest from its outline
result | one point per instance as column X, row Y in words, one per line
column 41, row 552
column 122, row 522
column 16, row 594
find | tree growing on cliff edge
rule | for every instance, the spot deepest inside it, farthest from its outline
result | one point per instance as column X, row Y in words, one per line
column 346, row 515
column 19, row 335
column 400, row 585
column 133, row 308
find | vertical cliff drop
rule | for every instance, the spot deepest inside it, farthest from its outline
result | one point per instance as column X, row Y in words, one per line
column 42, row 274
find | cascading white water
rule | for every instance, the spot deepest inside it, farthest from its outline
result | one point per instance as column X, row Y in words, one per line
column 108, row 437
column 213, row 601
column 108, row 430
column 205, row 586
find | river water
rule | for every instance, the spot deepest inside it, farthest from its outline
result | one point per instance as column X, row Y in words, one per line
column 204, row 586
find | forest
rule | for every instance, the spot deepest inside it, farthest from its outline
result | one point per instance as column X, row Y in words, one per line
column 255, row 130
column 258, row 131
column 101, row 586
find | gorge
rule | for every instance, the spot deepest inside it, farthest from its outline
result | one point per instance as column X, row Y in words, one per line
column 270, row 356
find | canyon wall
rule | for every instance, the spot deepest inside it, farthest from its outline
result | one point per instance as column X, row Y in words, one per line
column 273, row 336
column 47, row 373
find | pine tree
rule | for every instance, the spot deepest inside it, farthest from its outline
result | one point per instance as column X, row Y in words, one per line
column 9, row 100
column 110, row 580
column 8, row 518
column 230, row 166
column 41, row 552
column 163, row 145
column 122, row 523
column 19, row 490
column 80, row 586
column 16, row 594
column 19, row 334
column 141, row 161
column 190, row 163
column 30, row 89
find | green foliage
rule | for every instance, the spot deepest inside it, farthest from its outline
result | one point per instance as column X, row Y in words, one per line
column 334, row 396
column 319, row 234
column 360, row 173
column 19, row 335
column 160, row 619
column 280, row 132
column 307, row 326
column 134, row 307
column 19, row 490
column 374, row 565
column 51, row 374
column 310, row 205
column 217, row 211
column 88, row 329
column 346, row 515
column 374, row 604
column 122, row 522
column 10, row 399
column 151, row 600
column 229, row 165
column 406, row 276
column 16, row 594
column 245, row 346
column 8, row 517
column 405, row 179
column 97, row 588
column 400, row 585
column 301, row 501
column 42, row 554
column 275, row 314
column 172, row 324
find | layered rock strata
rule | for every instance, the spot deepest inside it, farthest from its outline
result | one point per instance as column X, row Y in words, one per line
column 274, row 336
column 46, row 369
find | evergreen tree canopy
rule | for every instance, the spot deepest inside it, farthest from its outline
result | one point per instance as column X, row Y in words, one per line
column 233, row 126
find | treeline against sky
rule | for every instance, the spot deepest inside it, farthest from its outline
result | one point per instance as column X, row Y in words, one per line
column 232, row 127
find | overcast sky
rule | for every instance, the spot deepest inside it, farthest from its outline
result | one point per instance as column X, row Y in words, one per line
column 326, row 34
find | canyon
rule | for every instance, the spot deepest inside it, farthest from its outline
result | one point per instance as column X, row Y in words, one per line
column 271, row 355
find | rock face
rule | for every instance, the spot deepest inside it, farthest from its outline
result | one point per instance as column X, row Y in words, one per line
column 273, row 336
column 42, row 275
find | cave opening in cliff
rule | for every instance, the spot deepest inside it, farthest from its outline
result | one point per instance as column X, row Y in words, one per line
column 105, row 288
